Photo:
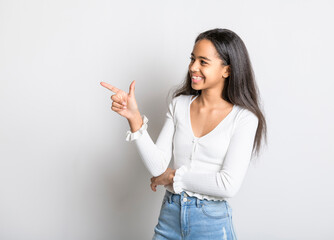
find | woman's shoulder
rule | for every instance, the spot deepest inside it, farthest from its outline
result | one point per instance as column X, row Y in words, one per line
column 181, row 98
column 244, row 114
column 178, row 103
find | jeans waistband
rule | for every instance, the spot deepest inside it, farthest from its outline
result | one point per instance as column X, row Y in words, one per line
column 184, row 199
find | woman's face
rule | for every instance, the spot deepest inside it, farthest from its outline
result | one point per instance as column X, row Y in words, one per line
column 205, row 68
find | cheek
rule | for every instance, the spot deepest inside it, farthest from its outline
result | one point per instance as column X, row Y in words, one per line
column 206, row 74
column 211, row 73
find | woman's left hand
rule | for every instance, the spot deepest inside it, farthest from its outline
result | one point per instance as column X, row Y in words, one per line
column 164, row 179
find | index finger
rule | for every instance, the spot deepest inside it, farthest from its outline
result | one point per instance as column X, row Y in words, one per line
column 110, row 87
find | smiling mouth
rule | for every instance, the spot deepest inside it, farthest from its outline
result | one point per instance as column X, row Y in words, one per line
column 196, row 79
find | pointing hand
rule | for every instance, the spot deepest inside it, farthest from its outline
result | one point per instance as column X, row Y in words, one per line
column 123, row 103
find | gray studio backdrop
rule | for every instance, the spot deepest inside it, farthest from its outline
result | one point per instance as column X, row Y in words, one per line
column 66, row 171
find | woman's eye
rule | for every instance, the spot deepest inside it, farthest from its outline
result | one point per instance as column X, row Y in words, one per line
column 202, row 62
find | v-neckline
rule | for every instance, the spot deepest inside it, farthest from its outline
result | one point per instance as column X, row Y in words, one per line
column 189, row 119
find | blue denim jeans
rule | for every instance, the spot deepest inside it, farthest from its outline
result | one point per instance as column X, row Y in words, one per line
column 189, row 218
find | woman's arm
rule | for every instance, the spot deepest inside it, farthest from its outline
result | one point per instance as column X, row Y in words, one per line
column 156, row 156
column 228, row 180
column 135, row 122
column 165, row 179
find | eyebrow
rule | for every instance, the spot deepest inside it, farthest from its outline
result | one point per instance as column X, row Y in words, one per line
column 201, row 57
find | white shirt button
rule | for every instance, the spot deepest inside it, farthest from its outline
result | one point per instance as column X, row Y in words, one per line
column 184, row 199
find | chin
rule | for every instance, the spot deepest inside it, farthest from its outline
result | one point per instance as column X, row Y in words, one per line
column 196, row 88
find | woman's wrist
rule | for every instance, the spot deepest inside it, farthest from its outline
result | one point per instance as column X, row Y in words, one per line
column 135, row 122
column 171, row 176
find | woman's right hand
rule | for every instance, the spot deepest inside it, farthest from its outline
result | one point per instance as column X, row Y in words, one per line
column 123, row 103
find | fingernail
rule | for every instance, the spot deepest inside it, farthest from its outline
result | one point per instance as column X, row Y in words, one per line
column 124, row 103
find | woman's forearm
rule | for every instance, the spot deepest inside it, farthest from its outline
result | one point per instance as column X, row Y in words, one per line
column 135, row 122
column 171, row 176
column 165, row 179
column 156, row 156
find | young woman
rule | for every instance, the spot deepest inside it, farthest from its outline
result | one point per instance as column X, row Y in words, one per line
column 213, row 127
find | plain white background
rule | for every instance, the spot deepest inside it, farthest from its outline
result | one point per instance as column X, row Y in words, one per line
column 66, row 171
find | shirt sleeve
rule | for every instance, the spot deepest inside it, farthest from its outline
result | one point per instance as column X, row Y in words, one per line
column 156, row 156
column 228, row 180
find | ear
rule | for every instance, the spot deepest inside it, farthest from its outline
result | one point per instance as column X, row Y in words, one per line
column 226, row 71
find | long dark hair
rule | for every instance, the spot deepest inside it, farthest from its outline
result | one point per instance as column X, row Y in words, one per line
column 240, row 87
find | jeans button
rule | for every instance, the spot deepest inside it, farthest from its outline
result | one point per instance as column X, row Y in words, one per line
column 184, row 199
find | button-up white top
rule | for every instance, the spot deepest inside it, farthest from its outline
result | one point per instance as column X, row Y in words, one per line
column 210, row 167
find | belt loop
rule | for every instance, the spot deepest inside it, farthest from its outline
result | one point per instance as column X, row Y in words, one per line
column 198, row 202
column 170, row 198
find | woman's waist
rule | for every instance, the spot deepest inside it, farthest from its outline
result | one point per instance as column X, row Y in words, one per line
column 185, row 197
column 202, row 197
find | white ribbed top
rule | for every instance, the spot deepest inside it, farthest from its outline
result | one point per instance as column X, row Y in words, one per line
column 210, row 167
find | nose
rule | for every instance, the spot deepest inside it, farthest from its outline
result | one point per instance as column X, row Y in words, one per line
column 193, row 67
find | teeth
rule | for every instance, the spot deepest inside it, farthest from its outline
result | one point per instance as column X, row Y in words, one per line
column 197, row 78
